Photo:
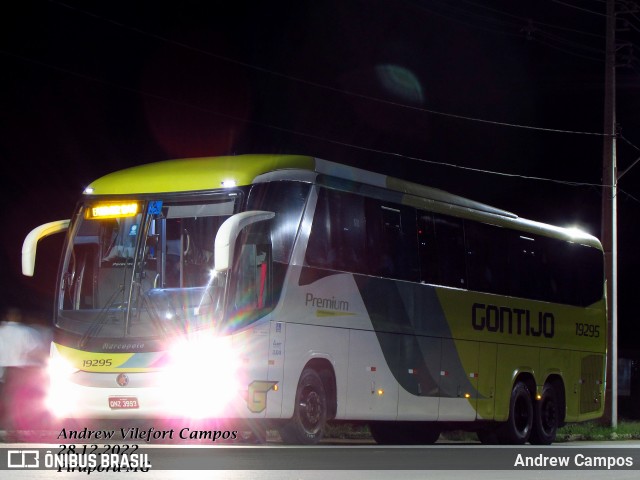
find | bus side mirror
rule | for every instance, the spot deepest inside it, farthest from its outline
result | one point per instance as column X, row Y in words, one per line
column 228, row 233
column 30, row 243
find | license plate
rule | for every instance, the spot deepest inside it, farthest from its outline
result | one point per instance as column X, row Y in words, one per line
column 120, row 403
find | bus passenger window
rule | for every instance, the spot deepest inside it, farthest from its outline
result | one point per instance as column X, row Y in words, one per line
column 577, row 272
column 486, row 258
column 450, row 250
column 338, row 236
column 427, row 248
column 391, row 240
column 384, row 228
column 349, row 237
column 529, row 272
column 287, row 200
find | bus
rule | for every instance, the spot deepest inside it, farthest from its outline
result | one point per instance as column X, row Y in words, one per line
column 289, row 292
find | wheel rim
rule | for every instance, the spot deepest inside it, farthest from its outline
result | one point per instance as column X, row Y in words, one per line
column 548, row 416
column 311, row 410
column 522, row 415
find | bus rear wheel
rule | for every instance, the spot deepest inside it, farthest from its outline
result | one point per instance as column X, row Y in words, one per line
column 386, row 433
column 310, row 413
column 546, row 417
column 517, row 429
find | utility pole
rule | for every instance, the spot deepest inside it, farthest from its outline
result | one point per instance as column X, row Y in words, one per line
column 609, row 216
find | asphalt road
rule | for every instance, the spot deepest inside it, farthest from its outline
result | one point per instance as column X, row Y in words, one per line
column 353, row 460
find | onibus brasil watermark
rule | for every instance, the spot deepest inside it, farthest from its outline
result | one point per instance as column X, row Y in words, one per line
column 82, row 458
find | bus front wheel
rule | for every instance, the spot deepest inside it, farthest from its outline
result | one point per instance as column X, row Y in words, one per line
column 517, row 429
column 310, row 411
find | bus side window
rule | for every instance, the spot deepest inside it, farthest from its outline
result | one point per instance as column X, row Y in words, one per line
column 486, row 260
column 450, row 251
column 287, row 200
column 590, row 273
column 529, row 272
column 348, row 239
column 577, row 271
column 391, row 240
column 427, row 248
column 338, row 236
column 383, row 231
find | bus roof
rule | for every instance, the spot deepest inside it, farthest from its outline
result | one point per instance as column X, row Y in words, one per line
column 206, row 173
column 194, row 174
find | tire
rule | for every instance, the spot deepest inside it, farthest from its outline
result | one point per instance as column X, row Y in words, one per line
column 404, row 433
column 386, row 433
column 517, row 429
column 310, row 413
column 546, row 417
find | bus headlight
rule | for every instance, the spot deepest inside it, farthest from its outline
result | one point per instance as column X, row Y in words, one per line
column 201, row 377
column 60, row 400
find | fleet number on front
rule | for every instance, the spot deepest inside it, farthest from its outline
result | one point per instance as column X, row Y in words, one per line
column 102, row 362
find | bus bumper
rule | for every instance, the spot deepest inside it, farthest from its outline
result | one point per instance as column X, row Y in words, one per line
column 141, row 395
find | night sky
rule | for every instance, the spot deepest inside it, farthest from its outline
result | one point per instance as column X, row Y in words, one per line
column 438, row 92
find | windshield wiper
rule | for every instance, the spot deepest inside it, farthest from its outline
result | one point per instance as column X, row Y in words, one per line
column 148, row 307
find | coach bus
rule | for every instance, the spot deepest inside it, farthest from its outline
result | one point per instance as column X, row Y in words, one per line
column 289, row 291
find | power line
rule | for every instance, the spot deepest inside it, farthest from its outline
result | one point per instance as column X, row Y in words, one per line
column 295, row 132
column 357, row 95
column 570, row 43
column 629, row 195
column 579, row 8
column 482, row 18
column 531, row 30
column 564, row 50
column 621, row 137
column 526, row 25
column 324, row 86
column 535, row 22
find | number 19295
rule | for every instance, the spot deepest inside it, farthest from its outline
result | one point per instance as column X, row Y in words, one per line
column 587, row 330
column 97, row 362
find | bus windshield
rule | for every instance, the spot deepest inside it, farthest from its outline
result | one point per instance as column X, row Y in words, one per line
column 143, row 271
